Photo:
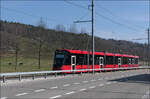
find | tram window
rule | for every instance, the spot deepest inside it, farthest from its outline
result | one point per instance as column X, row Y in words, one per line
column 116, row 60
column 101, row 61
column 73, row 60
column 67, row 60
column 85, row 59
column 125, row 60
column 133, row 61
column 81, row 59
column 96, row 60
column 129, row 61
column 109, row 60
column 59, row 58
column 136, row 61
column 90, row 60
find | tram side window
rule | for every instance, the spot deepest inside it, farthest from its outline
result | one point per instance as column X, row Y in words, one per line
column 73, row 60
column 90, row 60
column 129, row 61
column 136, row 61
column 81, row 59
column 84, row 59
column 125, row 60
column 109, row 60
column 116, row 60
column 67, row 60
column 133, row 61
column 96, row 60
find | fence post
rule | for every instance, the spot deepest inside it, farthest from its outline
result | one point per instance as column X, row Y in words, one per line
column 100, row 69
column 73, row 72
column 45, row 75
column 81, row 72
column 105, row 70
column 33, row 76
column 64, row 74
column 4, row 79
column 56, row 74
column 20, row 77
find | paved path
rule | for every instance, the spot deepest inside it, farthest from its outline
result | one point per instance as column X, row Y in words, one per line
column 120, row 84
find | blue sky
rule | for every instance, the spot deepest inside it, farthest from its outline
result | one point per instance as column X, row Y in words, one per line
column 125, row 20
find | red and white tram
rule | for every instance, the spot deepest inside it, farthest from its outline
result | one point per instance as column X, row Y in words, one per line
column 66, row 59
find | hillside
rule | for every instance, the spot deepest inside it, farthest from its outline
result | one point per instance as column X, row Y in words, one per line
column 26, row 39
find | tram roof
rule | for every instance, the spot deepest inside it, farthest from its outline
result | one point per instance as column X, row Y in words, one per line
column 83, row 52
column 136, row 56
column 109, row 54
column 125, row 55
column 118, row 55
column 99, row 53
column 131, row 56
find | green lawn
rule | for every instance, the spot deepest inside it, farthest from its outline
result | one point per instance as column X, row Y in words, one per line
column 8, row 64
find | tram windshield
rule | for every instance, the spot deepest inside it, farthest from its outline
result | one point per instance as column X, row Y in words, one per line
column 59, row 58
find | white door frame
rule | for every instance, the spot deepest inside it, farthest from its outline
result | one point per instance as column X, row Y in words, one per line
column 73, row 64
column 133, row 60
column 130, row 62
column 101, row 64
column 119, row 64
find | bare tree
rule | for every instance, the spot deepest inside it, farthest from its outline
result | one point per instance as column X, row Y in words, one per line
column 60, row 27
column 41, row 25
column 73, row 28
column 16, row 48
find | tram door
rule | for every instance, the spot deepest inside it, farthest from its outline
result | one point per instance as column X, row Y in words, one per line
column 119, row 62
column 101, row 62
column 133, row 62
column 73, row 62
column 129, row 62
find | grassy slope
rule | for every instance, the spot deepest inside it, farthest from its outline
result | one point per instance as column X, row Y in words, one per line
column 29, row 64
column 29, row 58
